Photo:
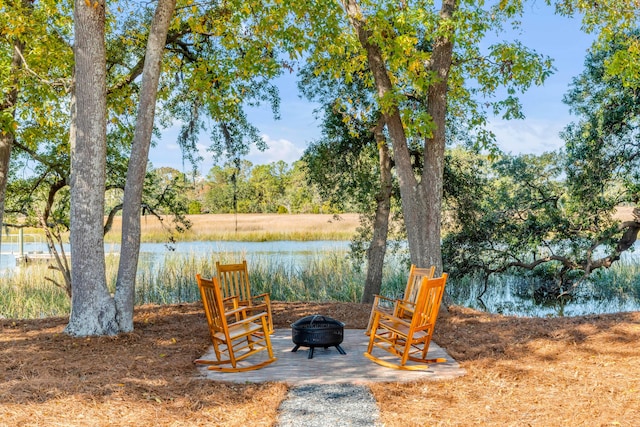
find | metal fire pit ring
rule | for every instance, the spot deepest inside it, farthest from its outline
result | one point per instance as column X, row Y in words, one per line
column 317, row 331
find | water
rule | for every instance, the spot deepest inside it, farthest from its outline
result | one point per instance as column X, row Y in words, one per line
column 504, row 296
column 10, row 249
column 611, row 290
column 288, row 251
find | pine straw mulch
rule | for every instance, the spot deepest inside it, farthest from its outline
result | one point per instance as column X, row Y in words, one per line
column 582, row 371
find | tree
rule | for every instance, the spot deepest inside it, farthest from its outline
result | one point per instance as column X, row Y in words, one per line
column 93, row 310
column 136, row 171
column 609, row 21
column 198, row 36
column 351, row 164
column 228, row 188
column 521, row 213
column 602, row 147
column 414, row 54
column 34, row 54
column 197, row 40
column 7, row 110
column 423, row 68
column 268, row 184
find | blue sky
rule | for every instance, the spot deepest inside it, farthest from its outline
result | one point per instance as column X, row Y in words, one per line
column 546, row 115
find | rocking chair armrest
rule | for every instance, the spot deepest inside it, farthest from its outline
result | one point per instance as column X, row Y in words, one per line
column 393, row 318
column 250, row 318
column 237, row 310
column 404, row 305
column 233, row 300
column 377, row 299
column 265, row 296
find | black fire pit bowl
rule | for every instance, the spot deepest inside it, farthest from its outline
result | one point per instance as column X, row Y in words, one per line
column 317, row 331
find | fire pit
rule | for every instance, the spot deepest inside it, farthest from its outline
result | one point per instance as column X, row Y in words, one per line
column 317, row 331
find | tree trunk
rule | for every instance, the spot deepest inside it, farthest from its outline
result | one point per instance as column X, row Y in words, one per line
column 413, row 203
column 421, row 202
column 431, row 184
column 378, row 247
column 7, row 137
column 93, row 310
column 136, row 171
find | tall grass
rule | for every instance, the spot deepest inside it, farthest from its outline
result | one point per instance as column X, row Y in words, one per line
column 331, row 276
column 25, row 293
column 171, row 279
column 621, row 280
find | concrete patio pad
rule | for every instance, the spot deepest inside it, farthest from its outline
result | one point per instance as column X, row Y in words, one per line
column 328, row 366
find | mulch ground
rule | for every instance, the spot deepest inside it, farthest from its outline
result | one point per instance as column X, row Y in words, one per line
column 582, row 371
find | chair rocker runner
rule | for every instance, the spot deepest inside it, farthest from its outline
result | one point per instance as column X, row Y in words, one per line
column 234, row 334
column 234, row 281
column 408, row 338
column 416, row 274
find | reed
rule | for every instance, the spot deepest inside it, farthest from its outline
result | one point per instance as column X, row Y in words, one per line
column 25, row 293
column 330, row 276
column 326, row 277
column 170, row 279
column 621, row 280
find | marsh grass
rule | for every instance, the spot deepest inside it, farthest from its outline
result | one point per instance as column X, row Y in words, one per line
column 331, row 276
column 247, row 228
column 171, row 279
column 241, row 227
column 25, row 293
column 621, row 280
column 326, row 277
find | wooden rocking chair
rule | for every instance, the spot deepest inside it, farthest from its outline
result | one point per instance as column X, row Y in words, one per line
column 234, row 281
column 236, row 340
column 408, row 339
column 416, row 274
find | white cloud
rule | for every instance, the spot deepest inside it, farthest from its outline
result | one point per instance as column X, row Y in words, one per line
column 528, row 136
column 279, row 149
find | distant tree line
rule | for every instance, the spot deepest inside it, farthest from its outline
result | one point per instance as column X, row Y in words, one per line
column 242, row 187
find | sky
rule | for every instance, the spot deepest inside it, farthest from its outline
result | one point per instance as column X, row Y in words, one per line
column 546, row 114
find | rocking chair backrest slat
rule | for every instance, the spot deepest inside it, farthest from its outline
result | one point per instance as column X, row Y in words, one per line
column 213, row 306
column 428, row 301
column 416, row 274
column 234, row 280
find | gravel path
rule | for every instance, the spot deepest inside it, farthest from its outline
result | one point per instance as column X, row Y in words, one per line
column 336, row 405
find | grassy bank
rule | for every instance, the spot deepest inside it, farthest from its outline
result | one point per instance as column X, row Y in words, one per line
column 26, row 293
